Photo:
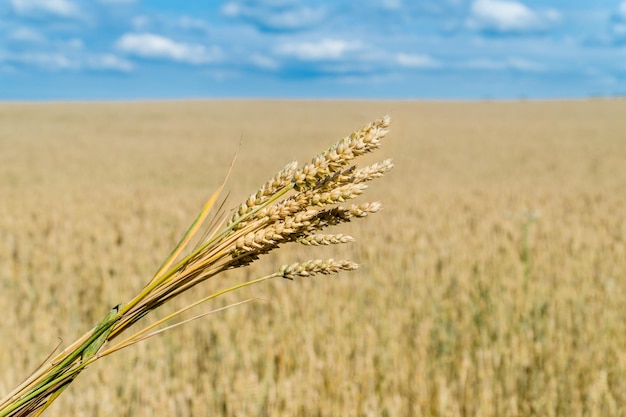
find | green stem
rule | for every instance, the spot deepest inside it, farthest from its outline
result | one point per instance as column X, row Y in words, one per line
column 63, row 370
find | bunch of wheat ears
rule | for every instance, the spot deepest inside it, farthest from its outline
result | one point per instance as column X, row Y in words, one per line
column 293, row 206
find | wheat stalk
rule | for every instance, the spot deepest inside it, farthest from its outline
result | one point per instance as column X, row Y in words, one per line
column 295, row 205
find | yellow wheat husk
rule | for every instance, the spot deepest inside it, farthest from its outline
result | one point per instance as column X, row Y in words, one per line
column 293, row 206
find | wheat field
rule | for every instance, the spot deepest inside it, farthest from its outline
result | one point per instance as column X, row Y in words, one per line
column 493, row 282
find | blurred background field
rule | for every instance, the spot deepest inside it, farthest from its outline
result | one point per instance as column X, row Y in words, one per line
column 493, row 282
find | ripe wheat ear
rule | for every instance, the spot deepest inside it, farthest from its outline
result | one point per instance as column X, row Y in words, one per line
column 295, row 205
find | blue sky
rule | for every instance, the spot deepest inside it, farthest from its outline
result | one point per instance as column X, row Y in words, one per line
column 425, row 49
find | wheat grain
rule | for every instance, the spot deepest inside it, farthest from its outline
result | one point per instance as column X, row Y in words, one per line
column 341, row 154
column 322, row 239
column 275, row 184
column 317, row 266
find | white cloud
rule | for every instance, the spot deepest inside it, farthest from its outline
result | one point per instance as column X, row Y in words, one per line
column 148, row 45
column 619, row 29
column 621, row 10
column 522, row 64
column 146, row 23
column 509, row 16
column 278, row 15
column 391, row 4
column 518, row 64
column 190, row 23
column 61, row 8
column 109, row 62
column 616, row 34
column 118, row 1
column 232, row 10
column 46, row 60
column 60, row 61
column 140, row 22
column 74, row 43
column 264, row 62
column 325, row 49
column 26, row 34
column 416, row 61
